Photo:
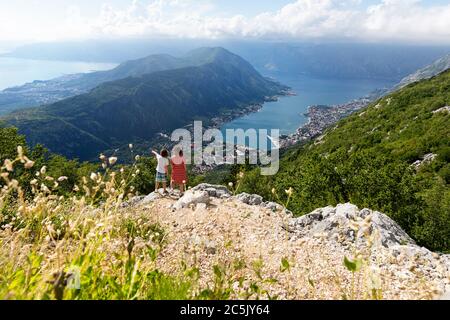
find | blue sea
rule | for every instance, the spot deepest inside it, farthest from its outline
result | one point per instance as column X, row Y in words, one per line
column 287, row 114
column 16, row 72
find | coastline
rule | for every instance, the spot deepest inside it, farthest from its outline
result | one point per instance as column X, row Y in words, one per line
column 321, row 117
column 222, row 119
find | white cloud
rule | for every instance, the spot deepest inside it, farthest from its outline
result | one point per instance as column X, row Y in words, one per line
column 390, row 20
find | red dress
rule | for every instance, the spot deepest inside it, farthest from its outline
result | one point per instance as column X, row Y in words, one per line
column 178, row 170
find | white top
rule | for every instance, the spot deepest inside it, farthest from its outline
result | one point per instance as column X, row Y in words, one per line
column 162, row 163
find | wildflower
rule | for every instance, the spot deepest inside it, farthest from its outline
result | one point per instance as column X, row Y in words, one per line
column 137, row 158
column 33, row 182
column 20, row 152
column 274, row 191
column 184, row 181
column 76, row 188
column 44, row 188
column 374, row 279
column 122, row 170
column 112, row 160
column 138, row 171
column 241, row 174
column 130, row 146
column 93, row 176
column 289, row 192
column 8, row 165
column 43, row 170
column 29, row 164
column 14, row 184
column 102, row 157
column 230, row 184
column 62, row 178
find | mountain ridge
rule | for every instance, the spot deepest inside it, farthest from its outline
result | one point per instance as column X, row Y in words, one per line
column 39, row 92
column 431, row 70
column 136, row 108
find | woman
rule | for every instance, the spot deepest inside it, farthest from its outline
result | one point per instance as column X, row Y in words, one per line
column 179, row 175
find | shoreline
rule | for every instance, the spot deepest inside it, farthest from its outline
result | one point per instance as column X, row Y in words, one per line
column 321, row 117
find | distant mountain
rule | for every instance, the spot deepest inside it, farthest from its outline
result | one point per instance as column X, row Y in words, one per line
column 428, row 72
column 339, row 60
column 345, row 60
column 45, row 92
column 137, row 108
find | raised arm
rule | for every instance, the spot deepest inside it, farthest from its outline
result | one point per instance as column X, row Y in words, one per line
column 155, row 153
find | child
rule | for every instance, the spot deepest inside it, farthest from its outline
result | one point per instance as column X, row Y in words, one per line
column 179, row 176
column 161, row 169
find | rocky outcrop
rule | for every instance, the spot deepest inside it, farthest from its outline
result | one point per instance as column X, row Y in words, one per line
column 216, row 191
column 212, row 225
column 443, row 109
column 346, row 223
column 251, row 199
column 428, row 158
column 192, row 198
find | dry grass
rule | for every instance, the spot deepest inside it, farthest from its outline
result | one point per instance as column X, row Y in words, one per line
column 225, row 251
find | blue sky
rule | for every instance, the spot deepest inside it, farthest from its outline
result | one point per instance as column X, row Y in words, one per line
column 361, row 20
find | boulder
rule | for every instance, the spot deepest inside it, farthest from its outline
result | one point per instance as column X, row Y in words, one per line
column 151, row 197
column 132, row 202
column 192, row 197
column 342, row 222
column 215, row 191
column 275, row 207
column 250, row 199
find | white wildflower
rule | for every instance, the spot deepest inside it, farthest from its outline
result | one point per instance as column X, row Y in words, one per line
column 29, row 164
column 8, row 165
column 289, row 192
column 20, row 152
column 112, row 160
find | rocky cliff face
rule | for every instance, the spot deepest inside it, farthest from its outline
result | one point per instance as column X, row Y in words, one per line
column 427, row 72
column 294, row 258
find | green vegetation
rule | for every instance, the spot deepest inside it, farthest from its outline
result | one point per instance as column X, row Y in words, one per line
column 60, row 243
column 136, row 109
column 367, row 159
